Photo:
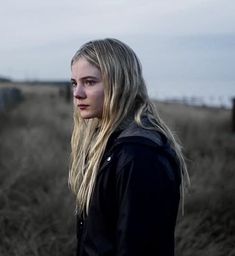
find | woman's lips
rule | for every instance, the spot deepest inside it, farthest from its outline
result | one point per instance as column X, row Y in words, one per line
column 82, row 106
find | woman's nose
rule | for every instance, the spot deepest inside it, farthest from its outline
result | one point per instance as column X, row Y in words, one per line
column 79, row 92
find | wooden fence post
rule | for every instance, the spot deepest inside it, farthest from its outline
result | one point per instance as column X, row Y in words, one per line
column 233, row 115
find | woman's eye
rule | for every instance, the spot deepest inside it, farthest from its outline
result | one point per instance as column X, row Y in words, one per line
column 73, row 84
column 89, row 82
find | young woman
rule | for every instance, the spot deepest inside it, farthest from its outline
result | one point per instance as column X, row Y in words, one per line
column 126, row 167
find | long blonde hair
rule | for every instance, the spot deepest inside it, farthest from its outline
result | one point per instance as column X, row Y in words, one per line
column 125, row 96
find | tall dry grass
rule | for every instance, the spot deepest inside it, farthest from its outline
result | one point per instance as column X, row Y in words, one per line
column 36, row 206
column 208, row 225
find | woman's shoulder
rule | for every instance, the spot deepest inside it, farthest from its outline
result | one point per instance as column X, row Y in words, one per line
column 138, row 134
column 140, row 161
column 140, row 149
column 139, row 141
column 144, row 149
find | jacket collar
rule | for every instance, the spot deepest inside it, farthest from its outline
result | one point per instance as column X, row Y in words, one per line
column 134, row 130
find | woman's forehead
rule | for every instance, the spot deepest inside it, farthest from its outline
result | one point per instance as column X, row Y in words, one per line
column 83, row 68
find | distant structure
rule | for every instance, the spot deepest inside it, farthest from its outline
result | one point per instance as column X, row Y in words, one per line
column 9, row 97
column 4, row 80
column 65, row 91
column 233, row 115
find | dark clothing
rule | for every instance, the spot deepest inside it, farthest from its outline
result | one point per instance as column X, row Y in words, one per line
column 135, row 201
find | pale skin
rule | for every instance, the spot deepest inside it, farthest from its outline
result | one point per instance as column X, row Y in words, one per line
column 88, row 89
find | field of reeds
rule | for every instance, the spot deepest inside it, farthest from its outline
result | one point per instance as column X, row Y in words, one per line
column 37, row 208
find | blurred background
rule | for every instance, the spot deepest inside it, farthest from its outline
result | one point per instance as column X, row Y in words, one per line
column 186, row 46
column 187, row 51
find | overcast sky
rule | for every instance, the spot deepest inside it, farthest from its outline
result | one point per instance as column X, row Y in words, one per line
column 181, row 40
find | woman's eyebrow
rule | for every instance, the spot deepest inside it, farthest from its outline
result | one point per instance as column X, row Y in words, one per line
column 89, row 77
column 85, row 77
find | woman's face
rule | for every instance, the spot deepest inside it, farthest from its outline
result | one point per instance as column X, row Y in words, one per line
column 88, row 89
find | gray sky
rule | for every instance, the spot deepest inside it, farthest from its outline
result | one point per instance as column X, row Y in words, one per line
column 183, row 40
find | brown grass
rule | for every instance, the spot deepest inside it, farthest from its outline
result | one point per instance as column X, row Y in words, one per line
column 208, row 226
column 36, row 206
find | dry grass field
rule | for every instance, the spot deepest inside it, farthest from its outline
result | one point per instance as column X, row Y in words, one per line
column 36, row 206
column 208, row 225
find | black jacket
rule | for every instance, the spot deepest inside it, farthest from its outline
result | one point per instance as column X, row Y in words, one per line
column 135, row 201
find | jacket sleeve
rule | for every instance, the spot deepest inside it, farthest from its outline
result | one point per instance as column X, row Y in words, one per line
column 148, row 197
